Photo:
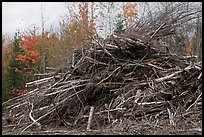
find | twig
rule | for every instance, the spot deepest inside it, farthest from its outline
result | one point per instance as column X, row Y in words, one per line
column 194, row 102
column 37, row 82
column 173, row 74
column 200, row 75
column 151, row 103
column 171, row 117
column 108, row 76
column 68, row 97
column 96, row 61
column 45, row 74
column 193, row 129
column 109, row 106
column 162, row 25
column 77, row 94
column 90, row 118
column 66, row 89
column 110, row 110
column 31, row 117
column 107, row 52
column 37, row 120
column 137, row 96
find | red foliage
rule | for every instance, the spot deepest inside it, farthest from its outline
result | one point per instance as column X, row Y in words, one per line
column 27, row 44
column 83, row 10
column 88, row 26
column 17, row 70
column 29, row 53
column 22, row 92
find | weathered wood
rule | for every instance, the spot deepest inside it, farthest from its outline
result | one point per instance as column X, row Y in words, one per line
column 90, row 118
column 40, row 81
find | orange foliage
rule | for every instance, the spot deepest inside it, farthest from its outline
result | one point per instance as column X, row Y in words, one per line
column 4, row 60
column 83, row 11
column 189, row 47
column 129, row 10
column 27, row 44
column 88, row 26
column 29, row 55
column 130, row 13
column 54, row 50
column 22, row 92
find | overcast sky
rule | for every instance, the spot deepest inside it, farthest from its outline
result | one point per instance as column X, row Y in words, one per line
column 21, row 15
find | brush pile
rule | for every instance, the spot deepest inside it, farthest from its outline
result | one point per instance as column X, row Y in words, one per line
column 122, row 79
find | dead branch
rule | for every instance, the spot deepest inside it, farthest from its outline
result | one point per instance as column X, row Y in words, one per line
column 90, row 118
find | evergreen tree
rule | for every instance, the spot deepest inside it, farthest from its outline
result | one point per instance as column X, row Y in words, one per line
column 15, row 77
column 4, row 74
column 4, row 87
column 120, row 27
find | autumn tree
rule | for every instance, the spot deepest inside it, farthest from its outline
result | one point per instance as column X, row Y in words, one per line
column 76, row 27
column 54, row 52
column 24, row 60
column 3, row 54
column 87, row 17
column 83, row 11
column 130, row 13
column 4, row 72
column 29, row 55
column 194, row 46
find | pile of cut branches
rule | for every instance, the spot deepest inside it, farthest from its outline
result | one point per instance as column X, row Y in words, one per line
column 121, row 79
column 118, row 82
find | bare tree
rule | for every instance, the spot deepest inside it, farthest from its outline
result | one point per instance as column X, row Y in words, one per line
column 179, row 19
column 42, row 47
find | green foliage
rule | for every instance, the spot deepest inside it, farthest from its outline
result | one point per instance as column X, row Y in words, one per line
column 15, row 78
column 120, row 27
column 20, row 60
column 5, row 94
column 180, row 40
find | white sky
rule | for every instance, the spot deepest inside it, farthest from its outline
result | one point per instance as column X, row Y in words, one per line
column 21, row 15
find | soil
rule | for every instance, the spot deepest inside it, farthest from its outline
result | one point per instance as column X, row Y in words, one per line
column 105, row 132
column 136, row 129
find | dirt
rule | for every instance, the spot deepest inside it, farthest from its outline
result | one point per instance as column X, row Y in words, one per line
column 105, row 132
column 136, row 129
